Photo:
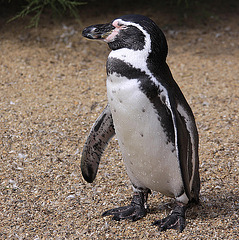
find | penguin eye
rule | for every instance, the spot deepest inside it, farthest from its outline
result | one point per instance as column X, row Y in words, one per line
column 122, row 26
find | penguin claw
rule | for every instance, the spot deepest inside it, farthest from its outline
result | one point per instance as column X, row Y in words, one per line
column 176, row 220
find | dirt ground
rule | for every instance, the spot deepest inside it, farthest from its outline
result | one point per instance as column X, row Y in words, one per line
column 52, row 88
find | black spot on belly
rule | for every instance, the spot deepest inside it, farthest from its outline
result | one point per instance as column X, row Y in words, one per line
column 141, row 134
column 120, row 101
column 143, row 110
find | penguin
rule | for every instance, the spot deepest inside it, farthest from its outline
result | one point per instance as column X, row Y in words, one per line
column 151, row 119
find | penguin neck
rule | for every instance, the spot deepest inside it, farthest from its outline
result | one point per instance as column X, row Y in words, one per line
column 137, row 59
column 143, row 60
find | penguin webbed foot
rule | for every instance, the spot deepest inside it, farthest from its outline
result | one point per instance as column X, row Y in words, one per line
column 175, row 220
column 130, row 212
column 135, row 211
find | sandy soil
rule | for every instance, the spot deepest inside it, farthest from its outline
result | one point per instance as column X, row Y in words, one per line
column 52, row 88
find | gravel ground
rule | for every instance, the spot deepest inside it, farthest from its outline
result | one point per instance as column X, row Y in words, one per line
column 52, row 88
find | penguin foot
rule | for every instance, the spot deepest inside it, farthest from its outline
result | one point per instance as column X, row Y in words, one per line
column 135, row 211
column 176, row 220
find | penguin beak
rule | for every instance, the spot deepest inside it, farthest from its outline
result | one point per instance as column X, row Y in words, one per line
column 98, row 31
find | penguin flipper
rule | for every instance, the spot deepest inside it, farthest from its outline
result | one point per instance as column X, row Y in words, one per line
column 101, row 133
column 188, row 152
column 185, row 141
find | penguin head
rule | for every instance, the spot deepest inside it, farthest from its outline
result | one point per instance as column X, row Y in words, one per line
column 135, row 32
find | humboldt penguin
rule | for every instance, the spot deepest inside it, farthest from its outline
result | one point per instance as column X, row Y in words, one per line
column 151, row 118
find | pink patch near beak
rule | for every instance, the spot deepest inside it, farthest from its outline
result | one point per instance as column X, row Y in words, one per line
column 114, row 33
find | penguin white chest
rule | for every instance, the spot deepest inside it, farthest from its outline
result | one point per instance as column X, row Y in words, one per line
column 149, row 158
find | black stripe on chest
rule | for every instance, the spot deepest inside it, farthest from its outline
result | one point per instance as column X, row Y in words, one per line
column 148, row 87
